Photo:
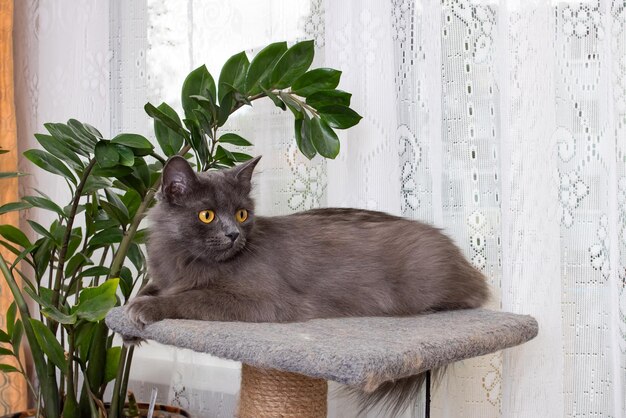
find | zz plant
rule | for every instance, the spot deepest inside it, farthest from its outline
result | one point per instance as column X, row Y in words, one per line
column 90, row 258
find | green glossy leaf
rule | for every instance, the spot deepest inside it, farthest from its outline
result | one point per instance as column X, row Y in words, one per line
column 67, row 135
column 133, row 182
column 203, row 121
column 59, row 316
column 112, row 363
column 41, row 230
column 95, row 271
column 302, row 129
column 49, row 344
column 316, row 80
column 44, row 203
column 226, row 106
column 107, row 237
column 50, row 163
column 163, row 117
column 234, row 139
column 58, row 232
column 77, row 261
column 97, row 357
column 84, row 131
column 60, row 150
column 84, row 338
column 135, row 141
column 293, row 105
column 10, row 247
column 329, row 97
column 170, row 140
column 95, row 302
column 142, row 172
column 198, row 141
column 10, row 317
column 324, row 138
column 106, row 154
column 140, row 236
column 210, row 109
column 262, row 65
column 292, row 64
column 118, row 172
column 240, row 157
column 198, row 82
column 6, row 352
column 18, row 331
column 7, row 368
column 44, row 298
column 127, row 157
column 223, row 153
column 135, row 255
column 126, row 282
column 275, row 99
column 4, row 337
column 117, row 208
column 95, row 183
column 42, row 256
column 76, row 238
column 233, row 74
column 12, row 234
column 339, row 117
column 23, row 256
column 10, row 207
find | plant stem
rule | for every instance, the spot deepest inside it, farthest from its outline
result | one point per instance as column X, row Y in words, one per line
column 213, row 145
column 302, row 104
column 70, row 407
column 158, row 157
column 122, row 250
column 251, row 98
column 23, row 371
column 68, row 232
column 47, row 383
column 87, row 388
column 129, row 359
column 96, row 280
column 115, row 399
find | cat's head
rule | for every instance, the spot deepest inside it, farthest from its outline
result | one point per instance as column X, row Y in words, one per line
column 209, row 214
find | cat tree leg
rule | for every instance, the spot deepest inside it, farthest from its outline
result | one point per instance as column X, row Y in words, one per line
column 269, row 393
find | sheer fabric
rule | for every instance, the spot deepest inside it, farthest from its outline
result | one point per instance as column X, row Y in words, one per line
column 503, row 122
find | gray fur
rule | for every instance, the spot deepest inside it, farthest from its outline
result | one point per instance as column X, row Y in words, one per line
column 316, row 264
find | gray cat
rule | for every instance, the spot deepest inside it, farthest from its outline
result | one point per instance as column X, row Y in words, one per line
column 211, row 258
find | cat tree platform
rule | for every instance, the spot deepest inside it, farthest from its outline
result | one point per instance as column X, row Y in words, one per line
column 286, row 366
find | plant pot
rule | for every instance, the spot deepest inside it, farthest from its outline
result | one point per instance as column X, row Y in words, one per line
column 163, row 411
column 160, row 411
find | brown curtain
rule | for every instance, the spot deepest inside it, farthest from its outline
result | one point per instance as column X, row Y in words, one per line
column 13, row 395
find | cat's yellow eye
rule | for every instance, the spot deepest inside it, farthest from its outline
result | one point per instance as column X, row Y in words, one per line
column 206, row 216
column 241, row 215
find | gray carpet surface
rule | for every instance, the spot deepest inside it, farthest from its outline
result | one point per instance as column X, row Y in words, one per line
column 362, row 352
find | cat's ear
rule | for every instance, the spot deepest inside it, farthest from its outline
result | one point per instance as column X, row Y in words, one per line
column 178, row 178
column 243, row 172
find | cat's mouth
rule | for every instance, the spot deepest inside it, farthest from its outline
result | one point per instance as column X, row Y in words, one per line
column 229, row 250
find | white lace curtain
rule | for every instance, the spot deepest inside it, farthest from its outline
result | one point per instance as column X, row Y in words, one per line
column 503, row 122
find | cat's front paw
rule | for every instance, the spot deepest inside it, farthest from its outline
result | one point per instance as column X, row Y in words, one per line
column 130, row 340
column 144, row 310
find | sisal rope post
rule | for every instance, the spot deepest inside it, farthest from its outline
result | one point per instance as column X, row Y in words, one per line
column 269, row 393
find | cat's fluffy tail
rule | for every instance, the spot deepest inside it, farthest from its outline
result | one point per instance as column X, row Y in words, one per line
column 394, row 397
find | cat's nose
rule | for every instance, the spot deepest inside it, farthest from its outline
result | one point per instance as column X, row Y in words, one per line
column 233, row 236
